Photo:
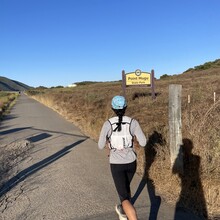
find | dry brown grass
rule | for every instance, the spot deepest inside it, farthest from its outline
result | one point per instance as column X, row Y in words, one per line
column 7, row 100
column 89, row 106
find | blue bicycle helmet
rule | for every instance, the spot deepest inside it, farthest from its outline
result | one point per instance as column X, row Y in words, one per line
column 118, row 102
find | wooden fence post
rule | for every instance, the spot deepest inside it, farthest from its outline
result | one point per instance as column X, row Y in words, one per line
column 123, row 83
column 152, row 85
column 175, row 127
column 189, row 111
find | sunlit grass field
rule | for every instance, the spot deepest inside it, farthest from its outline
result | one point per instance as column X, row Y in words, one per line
column 89, row 105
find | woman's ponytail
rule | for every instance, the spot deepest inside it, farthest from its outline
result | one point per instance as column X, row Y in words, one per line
column 119, row 113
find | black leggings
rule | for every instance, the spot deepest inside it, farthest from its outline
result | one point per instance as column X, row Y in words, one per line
column 122, row 175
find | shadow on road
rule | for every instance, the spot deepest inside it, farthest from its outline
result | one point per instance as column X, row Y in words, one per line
column 13, row 130
column 9, row 117
column 191, row 195
column 39, row 137
column 150, row 153
column 9, row 131
column 36, row 167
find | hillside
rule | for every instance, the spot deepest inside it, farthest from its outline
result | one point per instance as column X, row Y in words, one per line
column 12, row 85
column 88, row 106
column 206, row 66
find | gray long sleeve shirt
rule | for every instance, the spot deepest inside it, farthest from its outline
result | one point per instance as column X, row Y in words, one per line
column 126, row 155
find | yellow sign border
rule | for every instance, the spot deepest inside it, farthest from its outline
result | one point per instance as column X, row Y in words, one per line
column 133, row 79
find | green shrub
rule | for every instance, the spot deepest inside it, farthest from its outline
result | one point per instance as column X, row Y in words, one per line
column 165, row 76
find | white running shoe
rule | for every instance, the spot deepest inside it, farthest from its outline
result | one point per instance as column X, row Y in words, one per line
column 120, row 212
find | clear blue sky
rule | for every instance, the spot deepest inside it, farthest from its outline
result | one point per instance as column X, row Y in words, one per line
column 59, row 42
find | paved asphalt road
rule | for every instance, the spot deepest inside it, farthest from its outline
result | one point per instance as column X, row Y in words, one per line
column 65, row 176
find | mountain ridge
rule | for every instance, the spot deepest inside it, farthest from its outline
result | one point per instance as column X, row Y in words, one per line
column 7, row 84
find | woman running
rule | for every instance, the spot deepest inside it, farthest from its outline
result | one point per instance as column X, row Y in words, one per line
column 119, row 133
